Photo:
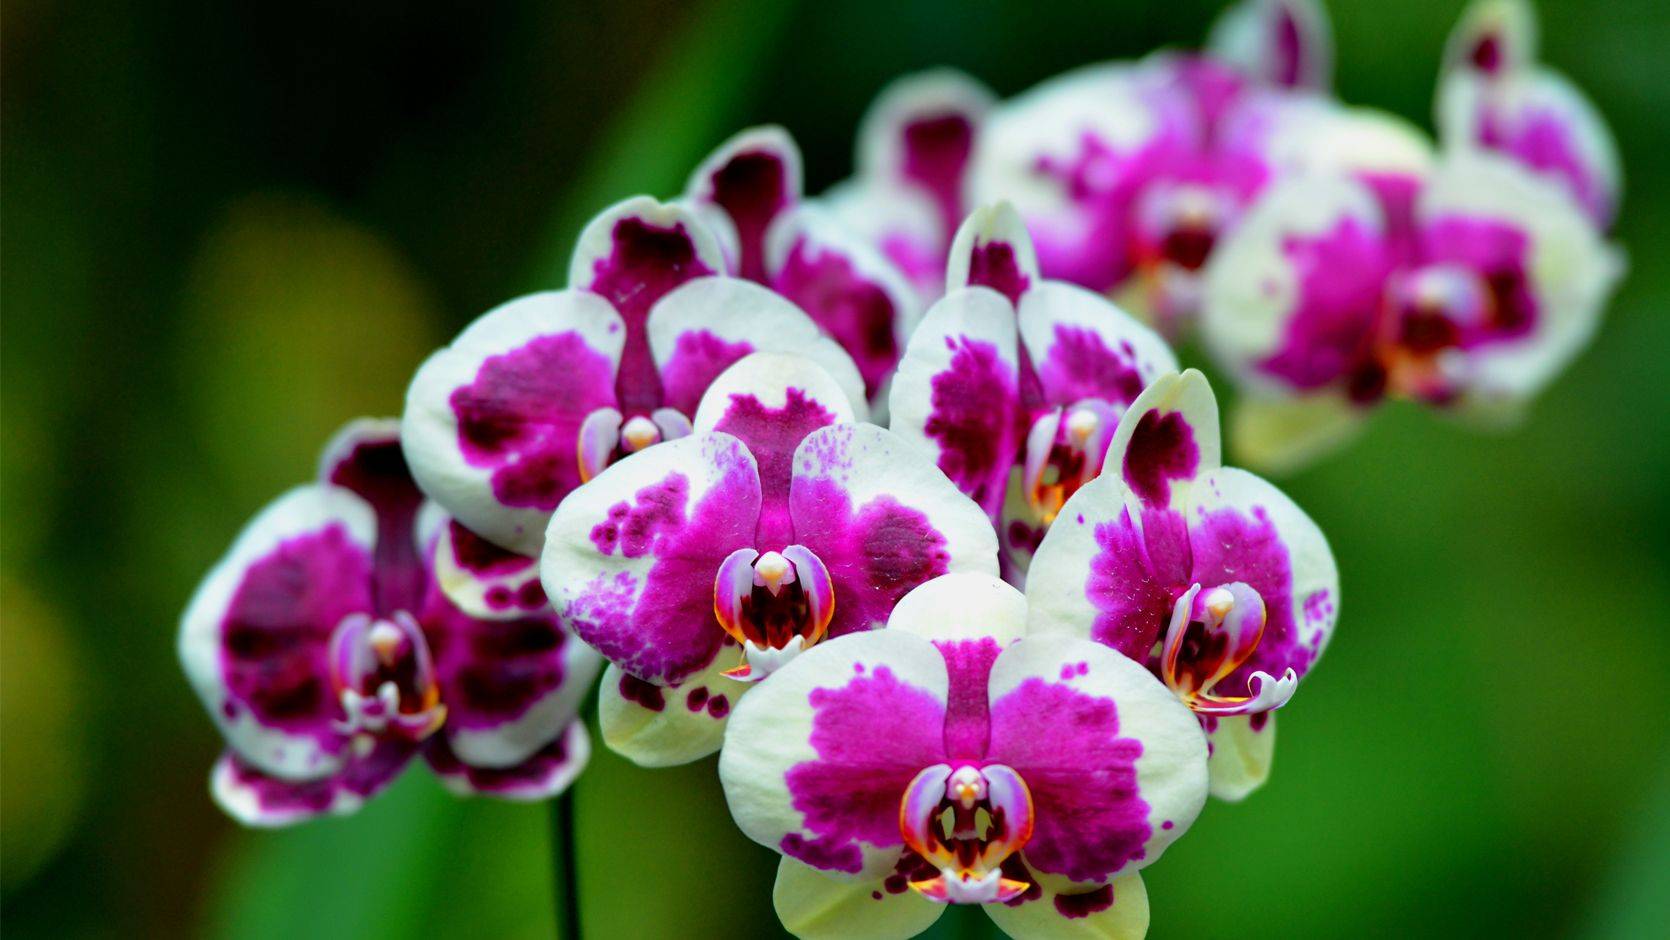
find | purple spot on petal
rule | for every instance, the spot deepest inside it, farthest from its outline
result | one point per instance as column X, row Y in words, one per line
column 752, row 188
column 968, row 666
column 645, row 694
column 850, row 792
column 521, row 417
column 697, row 699
column 1091, row 817
column 718, row 707
column 644, row 265
column 1162, row 449
column 771, row 435
column 973, row 419
column 1073, row 906
column 697, row 359
column 936, row 154
column 491, row 671
column 994, row 265
column 632, row 528
column 1080, row 365
column 852, row 308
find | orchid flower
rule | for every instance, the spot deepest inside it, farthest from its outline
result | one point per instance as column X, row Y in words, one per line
column 1128, row 175
column 1494, row 96
column 1469, row 293
column 750, row 189
column 702, row 565
column 328, row 652
column 542, row 393
column 1014, row 384
column 956, row 758
column 1207, row 574
column 909, row 193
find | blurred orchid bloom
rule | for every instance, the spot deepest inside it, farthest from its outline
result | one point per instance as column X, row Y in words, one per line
column 955, row 758
column 542, row 393
column 352, row 627
column 1014, row 384
column 703, row 565
column 909, row 193
column 1207, row 574
column 1493, row 95
column 1469, row 291
column 750, row 190
column 1129, row 175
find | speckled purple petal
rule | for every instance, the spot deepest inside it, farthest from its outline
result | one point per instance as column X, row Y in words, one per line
column 1083, row 346
column 1167, row 438
column 883, row 520
column 509, row 683
column 957, row 394
column 818, row 757
column 631, row 556
column 255, row 639
column 492, row 422
column 1111, row 757
column 1242, row 529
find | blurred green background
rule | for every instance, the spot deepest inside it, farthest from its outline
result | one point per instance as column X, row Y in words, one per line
column 229, row 227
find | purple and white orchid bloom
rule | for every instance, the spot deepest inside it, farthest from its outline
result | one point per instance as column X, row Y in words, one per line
column 750, row 187
column 1493, row 95
column 1128, row 175
column 1471, row 294
column 1207, row 574
column 1014, row 383
column 542, row 393
column 957, row 758
column 705, row 564
column 909, row 193
column 326, row 649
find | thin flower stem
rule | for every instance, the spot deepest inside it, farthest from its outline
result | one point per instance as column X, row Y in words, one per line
column 563, row 868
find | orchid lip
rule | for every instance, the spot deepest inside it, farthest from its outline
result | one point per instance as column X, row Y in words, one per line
column 774, row 605
column 1213, row 633
column 965, row 822
column 385, row 678
column 606, row 436
column 1064, row 451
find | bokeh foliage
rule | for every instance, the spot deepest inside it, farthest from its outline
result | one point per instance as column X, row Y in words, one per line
column 230, row 227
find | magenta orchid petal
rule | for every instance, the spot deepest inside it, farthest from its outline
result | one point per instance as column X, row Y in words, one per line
column 704, row 327
column 482, row 579
column 951, row 757
column 771, row 402
column 1071, row 154
column 992, row 249
column 663, row 726
column 957, row 393
column 1282, row 43
column 1291, row 296
column 806, row 771
column 1493, row 37
column 493, row 422
column 859, row 297
column 1166, row 439
column 510, row 684
column 629, row 560
column 633, row 254
column 752, row 178
column 920, row 135
column 1083, row 346
column 883, row 520
column 256, row 798
column 546, row 772
column 255, row 639
column 1106, row 751
column 366, row 458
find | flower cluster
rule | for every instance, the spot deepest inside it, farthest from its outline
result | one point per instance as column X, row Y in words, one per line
column 1000, row 650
